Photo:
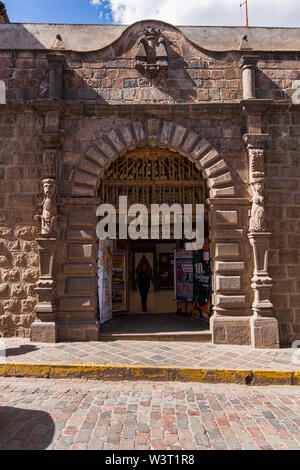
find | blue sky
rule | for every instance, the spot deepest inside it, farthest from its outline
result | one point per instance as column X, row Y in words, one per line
column 176, row 12
column 57, row 11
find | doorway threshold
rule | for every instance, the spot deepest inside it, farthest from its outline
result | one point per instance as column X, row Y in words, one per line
column 156, row 327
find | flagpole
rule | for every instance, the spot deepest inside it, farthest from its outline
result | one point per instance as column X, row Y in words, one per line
column 246, row 6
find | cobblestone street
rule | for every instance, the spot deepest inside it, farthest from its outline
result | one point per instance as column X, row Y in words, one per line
column 74, row 414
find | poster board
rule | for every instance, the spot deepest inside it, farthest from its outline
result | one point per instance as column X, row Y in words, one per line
column 105, row 280
column 202, row 282
column 184, row 275
column 119, row 288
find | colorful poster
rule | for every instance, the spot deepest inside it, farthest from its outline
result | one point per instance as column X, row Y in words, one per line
column 105, row 280
column 184, row 275
column 202, row 282
column 119, row 282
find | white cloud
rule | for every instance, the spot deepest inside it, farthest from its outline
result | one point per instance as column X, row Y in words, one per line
column 206, row 12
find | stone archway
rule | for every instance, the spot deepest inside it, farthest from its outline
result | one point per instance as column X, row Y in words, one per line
column 154, row 132
column 76, row 311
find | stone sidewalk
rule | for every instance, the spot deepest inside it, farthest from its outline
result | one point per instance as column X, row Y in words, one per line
column 79, row 414
column 149, row 353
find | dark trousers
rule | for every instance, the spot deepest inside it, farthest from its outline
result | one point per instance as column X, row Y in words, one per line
column 144, row 295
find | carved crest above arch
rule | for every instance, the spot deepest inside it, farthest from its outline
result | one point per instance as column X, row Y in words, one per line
column 151, row 55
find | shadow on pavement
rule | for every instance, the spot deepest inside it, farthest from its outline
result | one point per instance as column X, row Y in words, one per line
column 22, row 429
column 23, row 349
column 154, row 323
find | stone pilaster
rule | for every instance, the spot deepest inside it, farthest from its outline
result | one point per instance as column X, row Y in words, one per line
column 248, row 64
column 263, row 325
column 230, row 298
column 77, row 315
column 56, row 63
column 44, row 329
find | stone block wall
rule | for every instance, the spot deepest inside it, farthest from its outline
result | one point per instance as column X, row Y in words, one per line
column 277, row 76
column 188, row 80
column 20, row 173
column 25, row 74
column 283, row 211
column 110, row 76
column 96, row 86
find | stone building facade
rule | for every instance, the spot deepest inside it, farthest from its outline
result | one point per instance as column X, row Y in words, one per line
column 76, row 98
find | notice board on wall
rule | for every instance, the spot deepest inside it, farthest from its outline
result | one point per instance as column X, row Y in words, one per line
column 105, row 280
column 119, row 301
column 202, row 281
column 184, row 275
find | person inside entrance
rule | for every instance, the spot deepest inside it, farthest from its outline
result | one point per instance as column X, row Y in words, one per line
column 144, row 276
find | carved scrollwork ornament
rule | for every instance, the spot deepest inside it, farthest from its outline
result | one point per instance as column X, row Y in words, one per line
column 256, row 157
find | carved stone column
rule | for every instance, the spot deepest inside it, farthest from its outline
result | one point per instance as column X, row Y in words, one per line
column 44, row 329
column 263, row 325
column 248, row 64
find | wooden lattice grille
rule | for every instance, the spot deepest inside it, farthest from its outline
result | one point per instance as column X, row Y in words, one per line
column 153, row 176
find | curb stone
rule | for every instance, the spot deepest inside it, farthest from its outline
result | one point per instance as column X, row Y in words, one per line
column 117, row 372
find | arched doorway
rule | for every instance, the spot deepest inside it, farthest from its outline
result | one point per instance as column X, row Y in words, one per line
column 155, row 176
column 77, row 313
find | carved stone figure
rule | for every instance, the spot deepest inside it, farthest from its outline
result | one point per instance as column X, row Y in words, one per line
column 258, row 217
column 49, row 215
column 151, row 56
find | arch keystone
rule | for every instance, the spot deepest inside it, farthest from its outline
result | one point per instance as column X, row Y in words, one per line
column 153, row 131
column 165, row 136
column 139, row 133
